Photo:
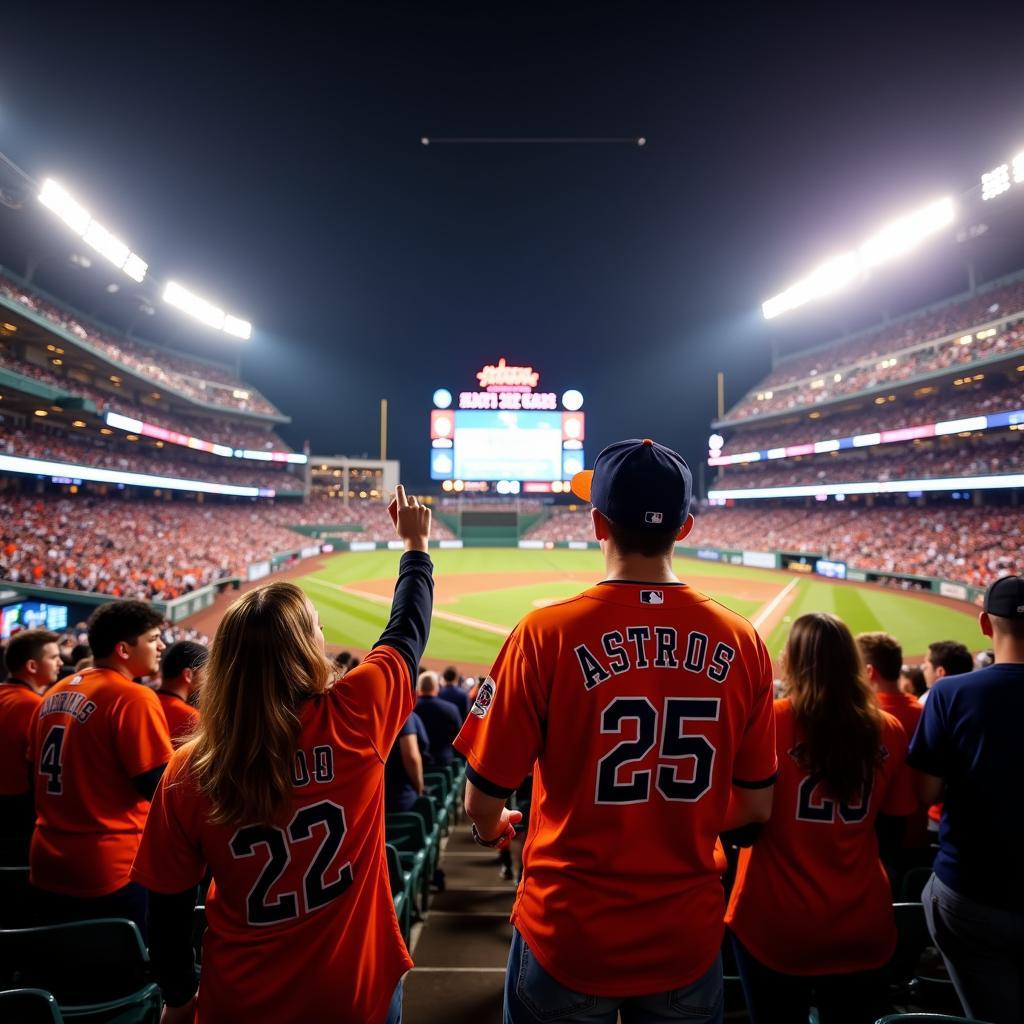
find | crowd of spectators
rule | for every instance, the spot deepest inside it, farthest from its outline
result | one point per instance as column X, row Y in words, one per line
column 159, row 550
column 194, row 378
column 235, row 433
column 563, row 524
column 914, row 347
column 945, row 457
column 966, row 545
column 961, row 403
column 133, row 457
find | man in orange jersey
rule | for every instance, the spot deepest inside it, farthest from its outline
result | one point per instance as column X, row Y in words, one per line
column 883, row 663
column 647, row 709
column 181, row 677
column 33, row 661
column 99, row 747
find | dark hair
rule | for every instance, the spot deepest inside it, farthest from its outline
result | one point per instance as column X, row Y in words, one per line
column 635, row 540
column 839, row 723
column 78, row 652
column 182, row 655
column 916, row 679
column 883, row 652
column 25, row 646
column 952, row 656
column 450, row 675
column 120, row 621
column 343, row 658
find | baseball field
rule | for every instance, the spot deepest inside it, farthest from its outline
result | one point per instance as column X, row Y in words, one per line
column 482, row 592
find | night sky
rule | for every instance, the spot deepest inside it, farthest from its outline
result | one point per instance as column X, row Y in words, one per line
column 272, row 162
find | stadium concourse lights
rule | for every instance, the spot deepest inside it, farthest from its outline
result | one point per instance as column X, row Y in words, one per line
column 206, row 312
column 94, row 234
column 893, row 240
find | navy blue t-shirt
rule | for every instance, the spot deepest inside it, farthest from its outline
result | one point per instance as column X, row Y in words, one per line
column 969, row 735
column 442, row 723
column 399, row 792
column 458, row 697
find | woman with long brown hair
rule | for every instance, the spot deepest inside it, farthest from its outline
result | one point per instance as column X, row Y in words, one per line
column 811, row 911
column 280, row 795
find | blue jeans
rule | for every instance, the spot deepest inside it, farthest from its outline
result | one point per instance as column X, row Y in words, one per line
column 532, row 995
column 983, row 948
column 395, row 1009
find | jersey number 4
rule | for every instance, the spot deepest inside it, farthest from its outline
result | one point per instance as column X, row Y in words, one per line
column 51, row 762
column 316, row 891
column 618, row 783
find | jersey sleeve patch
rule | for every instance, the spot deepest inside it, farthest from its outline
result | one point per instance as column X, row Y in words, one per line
column 484, row 698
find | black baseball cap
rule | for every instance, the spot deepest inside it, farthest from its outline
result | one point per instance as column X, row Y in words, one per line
column 1005, row 598
column 639, row 484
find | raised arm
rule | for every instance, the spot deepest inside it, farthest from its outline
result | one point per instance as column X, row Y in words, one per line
column 409, row 626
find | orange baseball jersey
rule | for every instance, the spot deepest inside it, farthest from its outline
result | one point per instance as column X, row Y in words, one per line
column 301, row 923
column 182, row 718
column 811, row 896
column 18, row 706
column 94, row 733
column 641, row 704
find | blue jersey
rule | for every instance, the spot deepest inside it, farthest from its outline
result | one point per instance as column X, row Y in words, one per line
column 968, row 736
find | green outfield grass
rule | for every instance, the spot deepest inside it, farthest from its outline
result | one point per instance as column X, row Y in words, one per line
column 353, row 621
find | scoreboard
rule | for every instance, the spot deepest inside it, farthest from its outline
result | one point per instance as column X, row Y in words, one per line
column 506, row 434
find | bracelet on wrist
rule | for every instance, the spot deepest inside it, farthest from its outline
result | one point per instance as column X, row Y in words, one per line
column 499, row 842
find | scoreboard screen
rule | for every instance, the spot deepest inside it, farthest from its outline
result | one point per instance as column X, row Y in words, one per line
column 478, row 444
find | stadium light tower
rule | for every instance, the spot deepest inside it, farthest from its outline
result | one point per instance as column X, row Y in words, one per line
column 892, row 241
column 56, row 198
column 206, row 312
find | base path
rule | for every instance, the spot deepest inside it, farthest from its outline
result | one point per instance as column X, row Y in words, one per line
column 462, row 620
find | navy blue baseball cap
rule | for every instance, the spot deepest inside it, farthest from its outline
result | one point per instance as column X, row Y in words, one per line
column 1005, row 598
column 639, row 484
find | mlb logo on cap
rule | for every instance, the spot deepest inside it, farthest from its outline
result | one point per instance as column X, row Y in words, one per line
column 653, row 517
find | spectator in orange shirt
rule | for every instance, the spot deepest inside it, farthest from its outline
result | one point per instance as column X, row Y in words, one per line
column 811, row 910
column 883, row 663
column 98, row 748
column 33, row 660
column 182, row 669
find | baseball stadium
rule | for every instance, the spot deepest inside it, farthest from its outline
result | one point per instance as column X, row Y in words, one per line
column 871, row 476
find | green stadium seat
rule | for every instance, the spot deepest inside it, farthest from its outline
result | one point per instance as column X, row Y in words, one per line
column 15, row 897
column 401, row 891
column 912, row 979
column 912, row 940
column 84, row 964
column 142, row 1007
column 29, row 1006
column 407, row 833
column 926, row 1018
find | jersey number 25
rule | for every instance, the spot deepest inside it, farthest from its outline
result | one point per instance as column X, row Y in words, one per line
column 618, row 783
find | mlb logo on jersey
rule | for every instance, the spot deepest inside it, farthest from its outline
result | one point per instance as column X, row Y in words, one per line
column 654, row 518
column 484, row 696
column 652, row 596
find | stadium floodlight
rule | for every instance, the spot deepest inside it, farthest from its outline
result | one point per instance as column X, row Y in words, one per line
column 829, row 277
column 995, row 182
column 895, row 239
column 1018, row 169
column 56, row 198
column 907, row 232
column 206, row 312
